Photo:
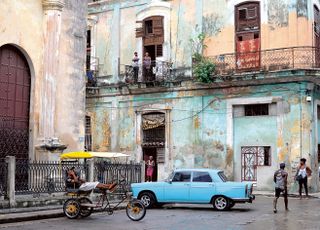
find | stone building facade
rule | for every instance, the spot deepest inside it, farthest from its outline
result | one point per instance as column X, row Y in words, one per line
column 42, row 77
column 261, row 109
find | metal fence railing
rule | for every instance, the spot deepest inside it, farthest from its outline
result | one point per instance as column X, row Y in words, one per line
column 106, row 172
column 156, row 71
column 3, row 178
column 267, row 60
column 49, row 177
column 44, row 177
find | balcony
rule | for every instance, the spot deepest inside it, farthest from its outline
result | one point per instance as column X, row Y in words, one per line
column 291, row 58
column 160, row 73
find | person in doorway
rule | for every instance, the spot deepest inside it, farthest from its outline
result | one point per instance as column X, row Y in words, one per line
column 87, row 186
column 150, row 167
column 135, row 65
column 303, row 172
column 280, row 179
column 147, row 67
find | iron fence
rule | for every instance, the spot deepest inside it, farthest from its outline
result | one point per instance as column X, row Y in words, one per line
column 3, row 178
column 44, row 177
column 267, row 60
column 106, row 172
column 49, row 177
column 158, row 71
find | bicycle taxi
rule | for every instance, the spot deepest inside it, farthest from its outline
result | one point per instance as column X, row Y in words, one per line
column 80, row 204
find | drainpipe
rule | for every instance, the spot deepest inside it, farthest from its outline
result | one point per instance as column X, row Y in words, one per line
column 301, row 126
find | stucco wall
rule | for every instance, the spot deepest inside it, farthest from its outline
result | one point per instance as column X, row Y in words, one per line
column 71, row 79
column 198, row 127
column 283, row 24
column 23, row 25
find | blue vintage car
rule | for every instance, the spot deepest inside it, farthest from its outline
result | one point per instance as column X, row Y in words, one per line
column 199, row 186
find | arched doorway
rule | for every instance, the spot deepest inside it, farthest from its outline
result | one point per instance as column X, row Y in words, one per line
column 15, row 82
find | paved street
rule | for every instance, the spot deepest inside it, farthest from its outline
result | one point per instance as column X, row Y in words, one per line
column 302, row 215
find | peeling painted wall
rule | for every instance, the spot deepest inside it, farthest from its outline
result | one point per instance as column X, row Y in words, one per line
column 284, row 23
column 23, row 25
column 198, row 127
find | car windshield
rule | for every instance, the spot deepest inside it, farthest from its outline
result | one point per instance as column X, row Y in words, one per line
column 222, row 176
column 170, row 176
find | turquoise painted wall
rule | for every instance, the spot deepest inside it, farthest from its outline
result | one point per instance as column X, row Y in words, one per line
column 198, row 126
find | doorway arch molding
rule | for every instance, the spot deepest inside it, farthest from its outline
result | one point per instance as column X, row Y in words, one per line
column 156, row 8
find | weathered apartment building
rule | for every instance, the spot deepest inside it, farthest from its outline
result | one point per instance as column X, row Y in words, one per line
column 261, row 109
column 42, row 78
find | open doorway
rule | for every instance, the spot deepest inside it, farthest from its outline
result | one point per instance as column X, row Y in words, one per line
column 147, row 152
column 151, row 51
column 153, row 126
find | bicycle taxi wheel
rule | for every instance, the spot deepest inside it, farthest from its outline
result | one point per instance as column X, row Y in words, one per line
column 71, row 208
column 135, row 210
column 85, row 210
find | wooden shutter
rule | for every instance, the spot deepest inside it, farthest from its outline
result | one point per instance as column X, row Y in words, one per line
column 140, row 29
column 158, row 26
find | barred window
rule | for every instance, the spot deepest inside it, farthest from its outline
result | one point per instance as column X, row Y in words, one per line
column 256, row 110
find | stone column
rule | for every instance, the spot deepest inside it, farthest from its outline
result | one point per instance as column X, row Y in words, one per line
column 91, row 170
column 11, row 161
column 52, row 27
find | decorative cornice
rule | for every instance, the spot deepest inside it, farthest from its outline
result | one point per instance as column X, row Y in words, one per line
column 53, row 4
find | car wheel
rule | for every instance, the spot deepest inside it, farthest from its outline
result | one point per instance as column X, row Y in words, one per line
column 221, row 203
column 147, row 199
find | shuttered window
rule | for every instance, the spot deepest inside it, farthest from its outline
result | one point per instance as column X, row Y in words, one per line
column 151, row 29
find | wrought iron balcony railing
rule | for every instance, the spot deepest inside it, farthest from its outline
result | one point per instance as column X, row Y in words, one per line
column 267, row 60
column 157, row 71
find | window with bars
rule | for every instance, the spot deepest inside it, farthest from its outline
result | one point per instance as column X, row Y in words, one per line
column 159, row 52
column 256, row 110
column 88, row 135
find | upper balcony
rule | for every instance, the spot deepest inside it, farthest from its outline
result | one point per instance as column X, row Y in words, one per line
column 272, row 60
column 243, row 67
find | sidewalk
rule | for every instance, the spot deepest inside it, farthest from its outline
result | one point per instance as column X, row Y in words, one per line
column 294, row 195
column 37, row 213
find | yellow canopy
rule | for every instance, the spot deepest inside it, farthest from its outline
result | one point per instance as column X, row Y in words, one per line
column 82, row 155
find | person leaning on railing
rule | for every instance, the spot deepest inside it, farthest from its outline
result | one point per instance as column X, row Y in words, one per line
column 147, row 66
column 135, row 65
column 87, row 186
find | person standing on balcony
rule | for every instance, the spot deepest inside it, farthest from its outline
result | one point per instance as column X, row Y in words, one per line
column 147, row 66
column 135, row 65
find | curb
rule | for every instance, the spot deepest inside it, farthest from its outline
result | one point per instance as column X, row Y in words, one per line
column 29, row 216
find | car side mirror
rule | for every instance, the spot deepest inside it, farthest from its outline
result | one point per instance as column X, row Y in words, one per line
column 170, row 181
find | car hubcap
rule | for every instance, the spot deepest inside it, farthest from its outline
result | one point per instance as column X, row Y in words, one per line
column 221, row 203
column 146, row 200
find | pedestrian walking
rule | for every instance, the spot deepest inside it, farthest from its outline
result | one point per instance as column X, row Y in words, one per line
column 303, row 172
column 280, row 179
column 150, row 167
column 135, row 65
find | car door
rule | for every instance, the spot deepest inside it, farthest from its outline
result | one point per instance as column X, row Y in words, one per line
column 178, row 189
column 202, row 187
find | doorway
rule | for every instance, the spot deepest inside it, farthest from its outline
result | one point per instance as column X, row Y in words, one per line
column 147, row 152
column 153, row 126
column 15, row 82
